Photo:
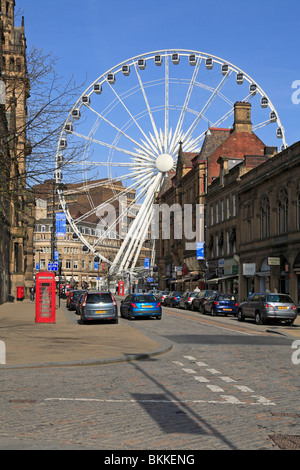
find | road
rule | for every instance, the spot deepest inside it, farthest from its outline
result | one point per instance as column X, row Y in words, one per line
column 223, row 385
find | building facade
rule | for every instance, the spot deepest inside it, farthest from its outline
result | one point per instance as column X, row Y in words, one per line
column 17, row 224
column 178, row 267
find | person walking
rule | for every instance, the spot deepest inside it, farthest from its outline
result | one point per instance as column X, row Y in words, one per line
column 32, row 292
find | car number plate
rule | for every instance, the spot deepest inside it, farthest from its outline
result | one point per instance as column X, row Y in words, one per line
column 282, row 308
column 100, row 311
column 227, row 309
column 146, row 306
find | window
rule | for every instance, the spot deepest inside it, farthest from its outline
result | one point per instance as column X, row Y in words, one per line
column 234, row 206
column 68, row 264
column 282, row 212
column 298, row 212
column 75, row 264
column 227, row 208
column 211, row 215
column 217, row 213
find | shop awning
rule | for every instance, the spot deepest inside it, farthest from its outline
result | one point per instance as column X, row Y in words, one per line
column 217, row 279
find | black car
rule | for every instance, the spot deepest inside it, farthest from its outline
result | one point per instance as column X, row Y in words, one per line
column 198, row 301
column 73, row 297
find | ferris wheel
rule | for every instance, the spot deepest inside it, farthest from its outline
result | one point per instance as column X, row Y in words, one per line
column 128, row 125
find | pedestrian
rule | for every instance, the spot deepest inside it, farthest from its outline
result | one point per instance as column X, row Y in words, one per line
column 32, row 292
column 196, row 289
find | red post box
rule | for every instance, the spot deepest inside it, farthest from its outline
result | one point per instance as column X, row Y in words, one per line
column 45, row 298
column 20, row 292
column 121, row 287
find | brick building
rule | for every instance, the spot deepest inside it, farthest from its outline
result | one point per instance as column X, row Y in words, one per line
column 178, row 267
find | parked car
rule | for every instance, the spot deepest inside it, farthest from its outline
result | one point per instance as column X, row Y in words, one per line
column 73, row 297
column 221, row 304
column 98, row 306
column 199, row 299
column 185, row 300
column 162, row 295
column 263, row 307
column 172, row 299
column 140, row 305
column 78, row 303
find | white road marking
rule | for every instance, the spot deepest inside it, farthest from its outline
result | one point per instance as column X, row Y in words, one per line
column 215, row 388
column 201, row 379
column 227, row 379
column 190, row 358
column 242, row 388
column 201, row 364
column 213, row 371
column 190, row 371
column 262, row 400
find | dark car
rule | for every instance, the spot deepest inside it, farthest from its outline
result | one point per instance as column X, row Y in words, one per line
column 140, row 305
column 185, row 300
column 263, row 307
column 73, row 297
column 78, row 303
column 97, row 306
column 198, row 301
column 172, row 299
column 221, row 304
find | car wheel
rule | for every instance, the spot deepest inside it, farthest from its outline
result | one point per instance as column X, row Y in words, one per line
column 116, row 321
column 240, row 316
column 158, row 317
column 201, row 309
column 258, row 319
column 130, row 316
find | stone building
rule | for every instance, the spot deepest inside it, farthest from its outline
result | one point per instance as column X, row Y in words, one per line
column 178, row 267
column 17, row 224
column 269, row 212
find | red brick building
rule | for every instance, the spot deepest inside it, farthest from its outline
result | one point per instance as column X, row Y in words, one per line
column 178, row 266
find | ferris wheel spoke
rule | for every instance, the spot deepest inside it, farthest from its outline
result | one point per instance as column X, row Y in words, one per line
column 148, row 108
column 186, row 103
column 167, row 96
column 104, row 144
column 207, row 105
column 133, row 119
column 120, row 131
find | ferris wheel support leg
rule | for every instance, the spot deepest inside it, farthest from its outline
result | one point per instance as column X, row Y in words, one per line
column 144, row 220
column 136, row 223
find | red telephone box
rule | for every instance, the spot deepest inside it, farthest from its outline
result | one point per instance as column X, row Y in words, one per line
column 45, row 298
column 121, row 287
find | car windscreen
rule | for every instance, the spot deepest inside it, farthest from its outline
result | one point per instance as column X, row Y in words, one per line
column 282, row 298
column 97, row 298
column 144, row 298
column 226, row 297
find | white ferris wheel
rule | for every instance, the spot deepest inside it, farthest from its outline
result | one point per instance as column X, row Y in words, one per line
column 128, row 125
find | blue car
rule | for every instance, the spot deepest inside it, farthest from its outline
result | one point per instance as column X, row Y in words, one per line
column 172, row 300
column 140, row 305
column 221, row 304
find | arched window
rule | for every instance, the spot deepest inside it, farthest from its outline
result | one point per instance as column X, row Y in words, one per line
column 265, row 217
column 282, row 212
column 298, row 212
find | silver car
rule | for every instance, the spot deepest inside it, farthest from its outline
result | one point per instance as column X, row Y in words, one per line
column 185, row 300
column 98, row 306
column 263, row 306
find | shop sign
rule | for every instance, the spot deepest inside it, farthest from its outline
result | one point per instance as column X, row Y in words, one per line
column 272, row 261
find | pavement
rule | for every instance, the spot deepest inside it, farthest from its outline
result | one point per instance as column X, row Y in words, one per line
column 25, row 343
column 67, row 342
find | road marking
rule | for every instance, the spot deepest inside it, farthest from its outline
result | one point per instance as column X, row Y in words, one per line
column 227, row 379
column 190, row 358
column 242, row 388
column 201, row 379
column 190, row 371
column 213, row 371
column 262, row 400
column 201, row 364
column 215, row 388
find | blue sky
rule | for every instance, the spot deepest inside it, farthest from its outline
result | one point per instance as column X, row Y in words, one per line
column 91, row 36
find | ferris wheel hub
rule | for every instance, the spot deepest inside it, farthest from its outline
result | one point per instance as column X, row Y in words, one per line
column 164, row 162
